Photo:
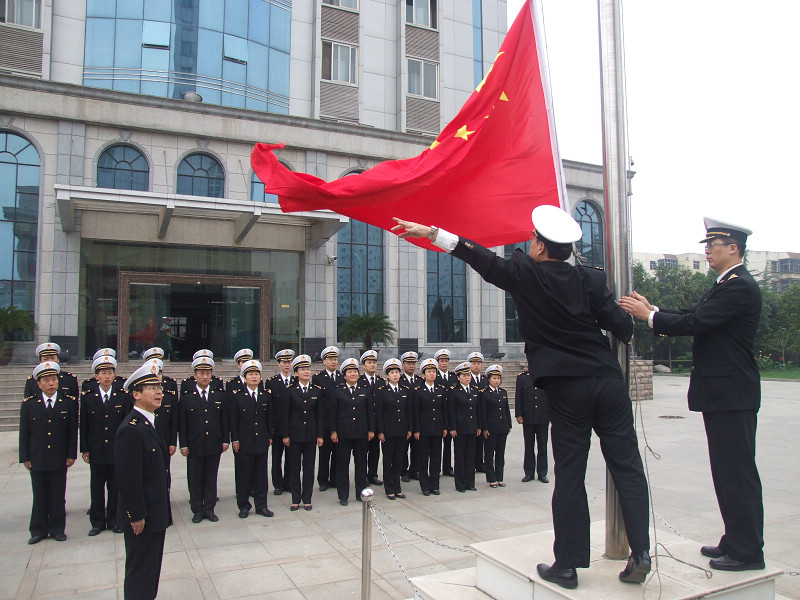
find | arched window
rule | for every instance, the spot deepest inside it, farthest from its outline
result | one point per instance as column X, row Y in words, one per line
column 512, row 321
column 447, row 298
column 123, row 167
column 201, row 175
column 590, row 245
column 359, row 270
column 257, row 193
column 19, row 217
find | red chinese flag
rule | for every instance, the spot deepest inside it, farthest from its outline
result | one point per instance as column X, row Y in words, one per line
column 494, row 163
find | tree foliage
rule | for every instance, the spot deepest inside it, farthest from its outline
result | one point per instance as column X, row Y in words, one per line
column 370, row 328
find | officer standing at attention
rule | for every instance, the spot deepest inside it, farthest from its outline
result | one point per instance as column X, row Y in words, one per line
column 67, row 382
column 102, row 409
column 251, row 436
column 48, row 444
column 167, row 415
column 429, row 426
column 204, row 436
column 530, row 409
column 144, row 508
column 496, row 419
column 370, row 377
column 480, row 382
column 725, row 386
column 563, row 311
column 448, row 379
column 91, row 382
column 464, row 421
column 411, row 381
column 168, row 384
column 393, row 422
column 188, row 384
column 327, row 380
column 278, row 385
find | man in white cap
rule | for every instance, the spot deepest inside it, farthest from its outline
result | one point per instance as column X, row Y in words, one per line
column 48, row 440
column 278, row 385
column 102, row 409
column 327, row 380
column 725, row 386
column 370, row 377
column 67, row 382
column 429, row 426
column 187, row 385
column 410, row 380
column 141, row 459
column 91, row 382
column 479, row 381
column 563, row 311
column 448, row 379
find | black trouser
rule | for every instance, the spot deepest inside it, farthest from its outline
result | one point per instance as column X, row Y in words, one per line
column 393, row 450
column 201, row 475
column 447, row 463
column 479, row 453
column 300, row 454
column 143, row 555
column 280, row 460
column 535, row 462
column 374, row 457
column 429, row 457
column 411, row 458
column 494, row 448
column 464, row 460
column 732, row 452
column 358, row 447
column 102, row 513
column 578, row 405
column 49, row 512
column 250, row 473
column 326, row 471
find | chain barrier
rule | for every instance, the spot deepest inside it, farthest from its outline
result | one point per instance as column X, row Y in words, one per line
column 373, row 509
column 602, row 489
column 419, row 535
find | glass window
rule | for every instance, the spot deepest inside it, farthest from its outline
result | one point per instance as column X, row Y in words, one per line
column 338, row 62
column 99, row 39
column 155, row 34
column 258, row 23
column 257, row 193
column 236, row 17
column 235, row 49
column 158, row 10
column 280, row 28
column 422, row 78
column 212, row 14
column 512, row 322
column 696, row 264
column 343, row 3
column 447, row 298
column 590, row 246
column 123, row 167
column 130, row 9
column 359, row 270
column 128, row 45
column 201, row 175
column 279, row 74
column 19, row 216
column 421, row 12
column 22, row 12
column 101, row 8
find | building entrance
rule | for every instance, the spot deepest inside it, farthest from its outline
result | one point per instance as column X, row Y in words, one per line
column 184, row 313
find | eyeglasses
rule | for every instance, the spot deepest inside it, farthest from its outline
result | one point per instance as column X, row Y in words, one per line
column 710, row 246
column 154, row 387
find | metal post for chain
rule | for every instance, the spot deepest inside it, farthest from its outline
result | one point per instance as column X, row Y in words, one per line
column 366, row 541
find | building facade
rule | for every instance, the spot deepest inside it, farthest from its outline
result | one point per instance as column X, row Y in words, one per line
column 131, row 216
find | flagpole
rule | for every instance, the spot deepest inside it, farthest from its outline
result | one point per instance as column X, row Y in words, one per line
column 617, row 239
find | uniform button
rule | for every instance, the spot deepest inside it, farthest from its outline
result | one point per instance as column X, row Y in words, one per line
column 256, row 433
column 206, row 422
column 49, row 420
column 48, row 433
column 353, row 420
column 48, row 447
column 304, row 422
column 305, row 411
column 206, row 433
column 106, row 416
column 106, row 441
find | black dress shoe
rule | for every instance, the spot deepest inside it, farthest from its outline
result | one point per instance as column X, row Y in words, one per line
column 405, row 478
column 343, row 502
column 401, row 495
column 544, row 479
column 712, row 551
column 35, row 539
column 197, row 517
column 414, row 476
column 374, row 480
column 449, row 473
column 95, row 531
column 527, row 478
column 323, row 487
column 308, row 507
column 117, row 529
column 426, row 493
column 61, row 537
column 637, row 568
column 566, row 578
column 278, row 491
column 461, row 491
column 726, row 563
column 212, row 517
column 265, row 512
column 243, row 513
column 435, row 492
column 472, row 489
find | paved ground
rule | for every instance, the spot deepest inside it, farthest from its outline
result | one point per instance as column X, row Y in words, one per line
column 316, row 555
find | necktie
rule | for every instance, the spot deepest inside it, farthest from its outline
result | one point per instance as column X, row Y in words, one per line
column 105, row 398
column 205, row 399
column 430, row 389
column 304, row 388
column 254, row 396
column 49, row 403
column 286, row 382
column 351, row 391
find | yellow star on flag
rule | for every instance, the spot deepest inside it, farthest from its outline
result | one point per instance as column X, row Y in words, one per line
column 503, row 96
column 434, row 144
column 463, row 133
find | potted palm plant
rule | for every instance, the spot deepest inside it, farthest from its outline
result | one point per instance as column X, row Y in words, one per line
column 370, row 328
column 13, row 320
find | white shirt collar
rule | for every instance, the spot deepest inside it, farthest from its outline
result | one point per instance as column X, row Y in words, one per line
column 150, row 416
column 200, row 391
column 494, row 389
column 726, row 271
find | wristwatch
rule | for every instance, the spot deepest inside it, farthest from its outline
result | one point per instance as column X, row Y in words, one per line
column 432, row 234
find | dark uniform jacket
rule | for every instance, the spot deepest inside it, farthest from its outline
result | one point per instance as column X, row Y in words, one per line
column 67, row 384
column 530, row 401
column 169, row 385
column 142, row 474
column 48, row 437
column 482, row 382
column 99, row 421
column 378, row 381
column 188, row 384
column 352, row 417
column 393, row 411
column 203, row 426
column 495, row 413
column 463, row 410
column 251, row 422
column 562, row 309
column 92, row 383
column 323, row 381
column 301, row 418
column 278, row 391
column 416, row 381
column 724, row 372
column 429, row 410
column 167, row 416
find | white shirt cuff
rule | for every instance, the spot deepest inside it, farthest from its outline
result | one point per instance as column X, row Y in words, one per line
column 650, row 316
column 446, row 240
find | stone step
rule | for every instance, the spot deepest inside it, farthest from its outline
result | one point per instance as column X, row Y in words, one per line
column 449, row 585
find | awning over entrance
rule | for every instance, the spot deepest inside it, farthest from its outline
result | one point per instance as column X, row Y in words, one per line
column 237, row 221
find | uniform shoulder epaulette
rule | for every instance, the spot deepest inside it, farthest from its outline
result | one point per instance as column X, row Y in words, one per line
column 30, row 376
column 237, row 390
column 319, row 387
column 186, row 379
column 522, row 373
column 68, row 373
column 133, row 421
column 28, row 398
column 452, row 387
column 72, row 397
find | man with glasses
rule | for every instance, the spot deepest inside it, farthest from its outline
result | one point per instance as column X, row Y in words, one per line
column 725, row 387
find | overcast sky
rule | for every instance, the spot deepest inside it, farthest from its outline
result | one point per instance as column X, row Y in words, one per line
column 713, row 113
